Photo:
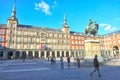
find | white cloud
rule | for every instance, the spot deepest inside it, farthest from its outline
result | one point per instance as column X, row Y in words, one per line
column 103, row 24
column 44, row 7
column 108, row 27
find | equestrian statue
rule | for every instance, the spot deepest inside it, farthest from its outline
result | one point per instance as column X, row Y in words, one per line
column 92, row 28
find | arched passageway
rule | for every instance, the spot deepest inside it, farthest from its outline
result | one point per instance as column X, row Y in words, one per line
column 62, row 53
column 42, row 54
column 10, row 55
column 67, row 53
column 30, row 54
column 53, row 54
column 48, row 54
column 17, row 55
column 36, row 54
column 58, row 54
column 24, row 55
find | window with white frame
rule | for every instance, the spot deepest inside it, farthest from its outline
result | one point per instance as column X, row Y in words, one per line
column 38, row 46
column 25, row 33
column 2, row 31
column 18, row 32
column 18, row 39
column 11, row 32
column 18, row 46
column 31, row 33
column 11, row 45
column 1, row 46
column 30, row 39
column 31, row 47
column 11, row 38
column 25, row 46
column 38, row 40
column 1, row 38
column 25, row 39
column 12, row 25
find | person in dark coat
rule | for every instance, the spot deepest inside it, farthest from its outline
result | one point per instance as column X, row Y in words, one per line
column 68, row 60
column 96, row 66
column 78, row 62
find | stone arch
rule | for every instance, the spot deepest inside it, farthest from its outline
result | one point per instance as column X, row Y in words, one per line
column 36, row 54
column 62, row 53
column 72, row 53
column 58, row 54
column 53, row 53
column 24, row 55
column 10, row 55
column 30, row 54
column 48, row 53
column 42, row 54
column 17, row 55
column 67, row 54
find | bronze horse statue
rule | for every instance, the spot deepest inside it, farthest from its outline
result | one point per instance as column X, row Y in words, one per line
column 91, row 29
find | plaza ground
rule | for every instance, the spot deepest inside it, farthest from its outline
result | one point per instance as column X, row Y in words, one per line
column 41, row 69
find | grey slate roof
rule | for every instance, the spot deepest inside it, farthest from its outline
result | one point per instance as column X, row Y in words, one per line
column 3, row 26
column 76, row 33
column 112, row 33
column 38, row 28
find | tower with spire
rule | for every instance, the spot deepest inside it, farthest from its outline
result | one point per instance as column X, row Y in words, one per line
column 12, row 19
column 65, row 27
column 12, row 28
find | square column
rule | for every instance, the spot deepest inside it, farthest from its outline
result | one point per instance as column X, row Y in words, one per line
column 39, row 54
column 14, row 55
column 45, row 54
column 4, row 55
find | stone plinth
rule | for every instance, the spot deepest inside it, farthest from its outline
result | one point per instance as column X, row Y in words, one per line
column 92, row 47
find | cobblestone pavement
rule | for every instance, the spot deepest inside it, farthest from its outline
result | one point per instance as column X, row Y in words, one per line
column 37, row 69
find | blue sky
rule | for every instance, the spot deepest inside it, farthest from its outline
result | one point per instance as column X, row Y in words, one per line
column 49, row 13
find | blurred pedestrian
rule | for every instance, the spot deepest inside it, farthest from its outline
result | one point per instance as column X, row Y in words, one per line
column 68, row 60
column 61, row 62
column 78, row 62
column 96, row 66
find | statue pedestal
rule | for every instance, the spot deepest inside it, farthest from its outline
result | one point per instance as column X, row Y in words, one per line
column 92, row 48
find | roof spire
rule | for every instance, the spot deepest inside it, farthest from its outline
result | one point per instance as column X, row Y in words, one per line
column 65, row 21
column 13, row 16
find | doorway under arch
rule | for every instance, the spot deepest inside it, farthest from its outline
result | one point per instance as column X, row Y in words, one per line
column 24, row 56
column 36, row 54
column 30, row 54
column 17, row 55
column 10, row 55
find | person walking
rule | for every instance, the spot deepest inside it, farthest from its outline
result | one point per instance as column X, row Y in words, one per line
column 52, row 62
column 78, row 62
column 61, row 62
column 68, row 60
column 96, row 66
